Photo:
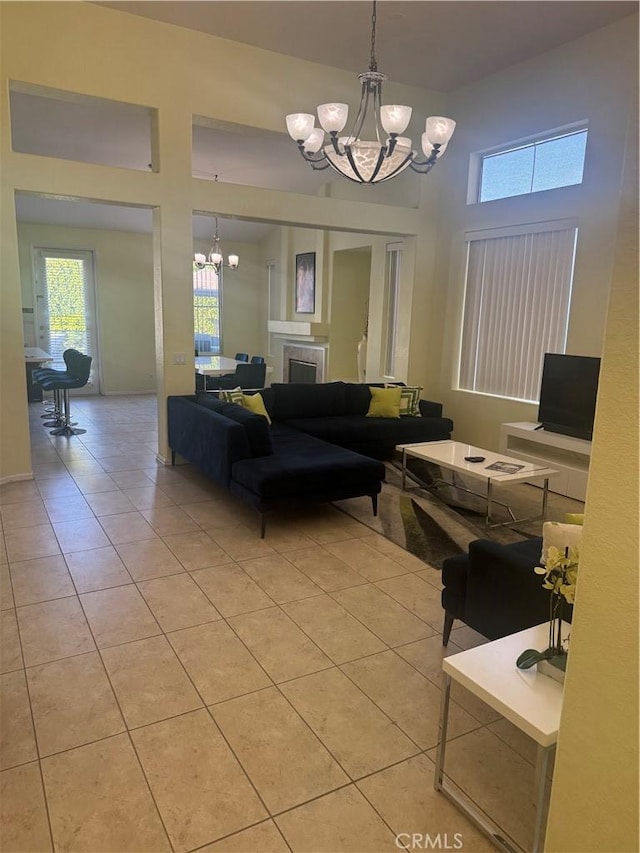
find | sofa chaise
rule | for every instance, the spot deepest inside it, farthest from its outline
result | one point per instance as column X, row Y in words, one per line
column 320, row 445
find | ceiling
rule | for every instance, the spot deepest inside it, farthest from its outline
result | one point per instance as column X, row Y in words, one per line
column 431, row 44
column 434, row 45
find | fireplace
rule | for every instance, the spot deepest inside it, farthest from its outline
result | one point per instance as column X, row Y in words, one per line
column 303, row 363
column 302, row 371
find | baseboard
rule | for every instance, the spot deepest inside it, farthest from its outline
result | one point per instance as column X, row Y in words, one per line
column 145, row 391
column 15, row 478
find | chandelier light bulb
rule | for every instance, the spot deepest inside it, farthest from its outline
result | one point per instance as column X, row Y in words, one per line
column 300, row 125
column 313, row 142
column 215, row 257
column 200, row 259
column 333, row 117
column 428, row 148
column 233, row 262
column 439, row 129
column 395, row 118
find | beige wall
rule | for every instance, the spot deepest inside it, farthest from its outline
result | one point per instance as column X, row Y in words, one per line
column 591, row 79
column 350, row 283
column 594, row 803
column 134, row 60
column 244, row 298
column 124, row 298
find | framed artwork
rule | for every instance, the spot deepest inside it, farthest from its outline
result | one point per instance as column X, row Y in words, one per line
column 306, row 283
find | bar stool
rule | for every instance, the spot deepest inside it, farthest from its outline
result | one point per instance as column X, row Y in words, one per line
column 76, row 376
column 53, row 415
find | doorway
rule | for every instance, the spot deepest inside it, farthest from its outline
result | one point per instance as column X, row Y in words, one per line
column 66, row 307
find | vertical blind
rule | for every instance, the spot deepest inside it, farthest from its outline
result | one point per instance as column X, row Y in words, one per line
column 518, row 290
column 206, row 311
column 65, row 285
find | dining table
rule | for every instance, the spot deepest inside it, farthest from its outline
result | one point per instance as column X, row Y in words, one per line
column 34, row 357
column 215, row 365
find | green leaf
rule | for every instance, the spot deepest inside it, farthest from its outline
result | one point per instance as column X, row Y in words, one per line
column 531, row 656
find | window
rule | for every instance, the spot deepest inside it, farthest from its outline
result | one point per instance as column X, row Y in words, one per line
column 517, row 296
column 65, row 307
column 207, row 292
column 392, row 285
column 549, row 163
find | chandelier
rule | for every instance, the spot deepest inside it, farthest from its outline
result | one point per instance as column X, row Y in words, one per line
column 214, row 260
column 366, row 161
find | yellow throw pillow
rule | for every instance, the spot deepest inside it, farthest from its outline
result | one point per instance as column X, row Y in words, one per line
column 385, row 403
column 255, row 404
column 574, row 517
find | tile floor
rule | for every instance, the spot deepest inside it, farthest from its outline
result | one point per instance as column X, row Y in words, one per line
column 170, row 681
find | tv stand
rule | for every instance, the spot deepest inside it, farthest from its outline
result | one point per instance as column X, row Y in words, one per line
column 569, row 456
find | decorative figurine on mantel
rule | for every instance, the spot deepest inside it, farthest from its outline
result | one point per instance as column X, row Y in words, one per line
column 362, row 349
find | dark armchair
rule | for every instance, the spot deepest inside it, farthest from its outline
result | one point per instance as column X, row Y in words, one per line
column 494, row 590
column 250, row 375
column 245, row 376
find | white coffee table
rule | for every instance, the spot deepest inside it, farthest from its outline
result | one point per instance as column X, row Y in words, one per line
column 528, row 699
column 450, row 456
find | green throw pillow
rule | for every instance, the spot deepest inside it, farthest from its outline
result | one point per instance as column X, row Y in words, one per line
column 255, row 404
column 385, row 403
column 233, row 396
column 410, row 401
column 574, row 517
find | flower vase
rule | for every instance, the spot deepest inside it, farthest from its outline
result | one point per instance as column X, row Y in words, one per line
column 553, row 660
column 547, row 667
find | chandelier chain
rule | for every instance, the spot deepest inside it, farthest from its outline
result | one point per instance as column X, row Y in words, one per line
column 373, row 64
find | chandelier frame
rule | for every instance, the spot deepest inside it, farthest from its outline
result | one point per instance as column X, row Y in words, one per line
column 321, row 156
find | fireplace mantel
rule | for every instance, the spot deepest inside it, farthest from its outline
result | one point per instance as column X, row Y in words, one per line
column 299, row 329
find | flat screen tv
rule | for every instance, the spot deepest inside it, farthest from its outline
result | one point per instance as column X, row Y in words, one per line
column 568, row 394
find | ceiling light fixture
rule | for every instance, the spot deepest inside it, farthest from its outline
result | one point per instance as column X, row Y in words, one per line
column 368, row 161
column 214, row 260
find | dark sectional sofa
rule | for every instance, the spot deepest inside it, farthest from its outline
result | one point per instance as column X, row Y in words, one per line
column 319, row 447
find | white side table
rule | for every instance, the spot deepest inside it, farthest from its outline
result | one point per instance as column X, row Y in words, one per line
column 529, row 700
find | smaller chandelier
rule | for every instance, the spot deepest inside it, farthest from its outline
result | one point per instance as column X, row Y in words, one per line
column 368, row 161
column 214, row 260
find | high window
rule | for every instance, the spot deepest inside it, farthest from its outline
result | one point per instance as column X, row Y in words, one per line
column 517, row 296
column 207, row 301
column 547, row 163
